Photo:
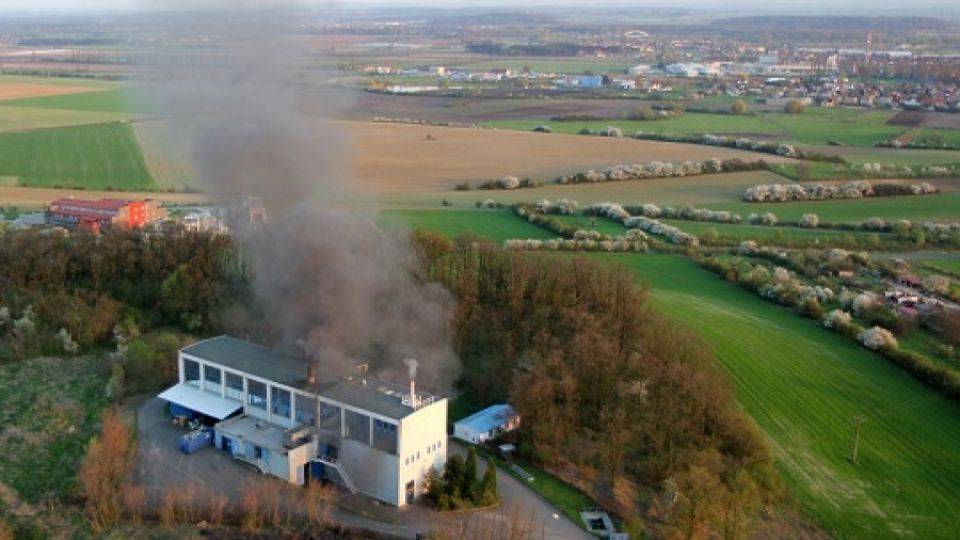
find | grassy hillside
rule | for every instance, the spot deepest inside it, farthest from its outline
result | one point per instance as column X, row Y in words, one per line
column 28, row 118
column 94, row 157
column 804, row 385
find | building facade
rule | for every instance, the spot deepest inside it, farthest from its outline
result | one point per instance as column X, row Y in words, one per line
column 79, row 214
column 277, row 413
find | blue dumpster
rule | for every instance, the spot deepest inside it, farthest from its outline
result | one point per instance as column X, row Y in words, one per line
column 195, row 440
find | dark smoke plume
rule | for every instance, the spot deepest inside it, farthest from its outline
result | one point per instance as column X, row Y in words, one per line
column 327, row 278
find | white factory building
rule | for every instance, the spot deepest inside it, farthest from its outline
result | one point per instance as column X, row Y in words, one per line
column 487, row 424
column 281, row 415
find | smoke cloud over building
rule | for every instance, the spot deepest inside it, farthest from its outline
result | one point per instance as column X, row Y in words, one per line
column 327, row 279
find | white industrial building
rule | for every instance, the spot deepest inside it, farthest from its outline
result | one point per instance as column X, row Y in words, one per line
column 277, row 413
column 487, row 424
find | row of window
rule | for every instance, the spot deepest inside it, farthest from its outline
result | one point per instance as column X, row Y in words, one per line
column 413, row 458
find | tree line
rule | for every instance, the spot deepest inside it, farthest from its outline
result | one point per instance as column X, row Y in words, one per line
column 615, row 398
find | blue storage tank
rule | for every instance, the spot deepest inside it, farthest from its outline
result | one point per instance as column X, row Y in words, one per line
column 195, row 440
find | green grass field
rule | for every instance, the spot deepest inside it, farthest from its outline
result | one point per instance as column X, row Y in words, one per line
column 697, row 190
column 497, row 225
column 95, row 157
column 945, row 206
column 948, row 265
column 816, row 126
column 48, row 409
column 681, row 125
column 106, row 101
column 30, row 118
column 848, row 126
column 804, row 385
column 747, row 231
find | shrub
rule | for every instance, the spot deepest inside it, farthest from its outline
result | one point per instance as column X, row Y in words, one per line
column 877, row 338
column 509, row 182
column 739, row 107
column 542, row 129
column 585, row 131
column 795, row 106
column 936, row 284
column 835, row 318
column 611, row 131
column 810, row 221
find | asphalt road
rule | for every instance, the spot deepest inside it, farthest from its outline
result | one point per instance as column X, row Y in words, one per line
column 161, row 466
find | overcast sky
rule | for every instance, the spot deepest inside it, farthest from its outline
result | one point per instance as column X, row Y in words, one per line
column 917, row 7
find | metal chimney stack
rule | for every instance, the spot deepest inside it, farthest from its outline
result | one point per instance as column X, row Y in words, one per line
column 413, row 395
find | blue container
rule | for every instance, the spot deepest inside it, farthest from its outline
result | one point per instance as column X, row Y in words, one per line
column 195, row 440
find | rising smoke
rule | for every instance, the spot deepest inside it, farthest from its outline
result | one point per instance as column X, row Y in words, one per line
column 328, row 280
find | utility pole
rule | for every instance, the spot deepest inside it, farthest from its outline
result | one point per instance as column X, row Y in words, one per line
column 858, row 420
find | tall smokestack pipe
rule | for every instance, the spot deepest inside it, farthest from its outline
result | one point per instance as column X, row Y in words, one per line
column 413, row 394
column 311, row 374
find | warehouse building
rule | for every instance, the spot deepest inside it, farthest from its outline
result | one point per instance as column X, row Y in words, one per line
column 280, row 414
column 487, row 424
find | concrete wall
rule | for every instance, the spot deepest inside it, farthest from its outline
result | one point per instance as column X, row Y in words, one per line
column 422, row 445
column 372, row 472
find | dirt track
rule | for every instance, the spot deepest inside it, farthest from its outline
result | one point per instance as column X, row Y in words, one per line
column 392, row 158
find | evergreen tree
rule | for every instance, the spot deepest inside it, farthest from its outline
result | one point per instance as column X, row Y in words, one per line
column 470, row 487
column 488, row 486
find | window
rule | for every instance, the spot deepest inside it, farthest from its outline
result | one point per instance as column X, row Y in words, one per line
column 385, row 436
column 257, row 396
column 234, row 386
column 330, row 417
column 211, row 379
column 358, row 427
column 281, row 402
column 191, row 372
column 305, row 409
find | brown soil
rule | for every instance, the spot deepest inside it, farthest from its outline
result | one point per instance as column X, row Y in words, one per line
column 393, row 158
column 23, row 90
column 925, row 119
column 36, row 197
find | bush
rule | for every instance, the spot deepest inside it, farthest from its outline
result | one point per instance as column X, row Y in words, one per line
column 877, row 338
column 542, row 129
column 795, row 106
column 739, row 107
column 810, row 221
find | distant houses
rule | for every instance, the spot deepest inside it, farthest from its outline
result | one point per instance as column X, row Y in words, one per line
column 94, row 216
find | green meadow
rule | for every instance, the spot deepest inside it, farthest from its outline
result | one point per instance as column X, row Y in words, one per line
column 99, row 156
column 804, row 385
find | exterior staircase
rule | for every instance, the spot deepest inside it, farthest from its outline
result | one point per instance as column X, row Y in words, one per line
column 344, row 477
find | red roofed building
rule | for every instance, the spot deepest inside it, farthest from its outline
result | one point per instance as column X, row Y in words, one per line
column 79, row 214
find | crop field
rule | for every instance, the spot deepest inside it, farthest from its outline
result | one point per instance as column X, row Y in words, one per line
column 167, row 156
column 94, row 157
column 497, row 225
column 391, row 158
column 804, row 385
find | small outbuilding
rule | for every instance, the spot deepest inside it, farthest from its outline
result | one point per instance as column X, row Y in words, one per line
column 487, row 424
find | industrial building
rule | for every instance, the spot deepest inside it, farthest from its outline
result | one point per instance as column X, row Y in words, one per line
column 94, row 216
column 487, row 424
column 280, row 414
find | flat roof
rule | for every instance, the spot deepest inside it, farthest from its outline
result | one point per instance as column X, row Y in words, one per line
column 201, row 401
column 375, row 396
column 369, row 394
column 492, row 417
column 253, row 359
